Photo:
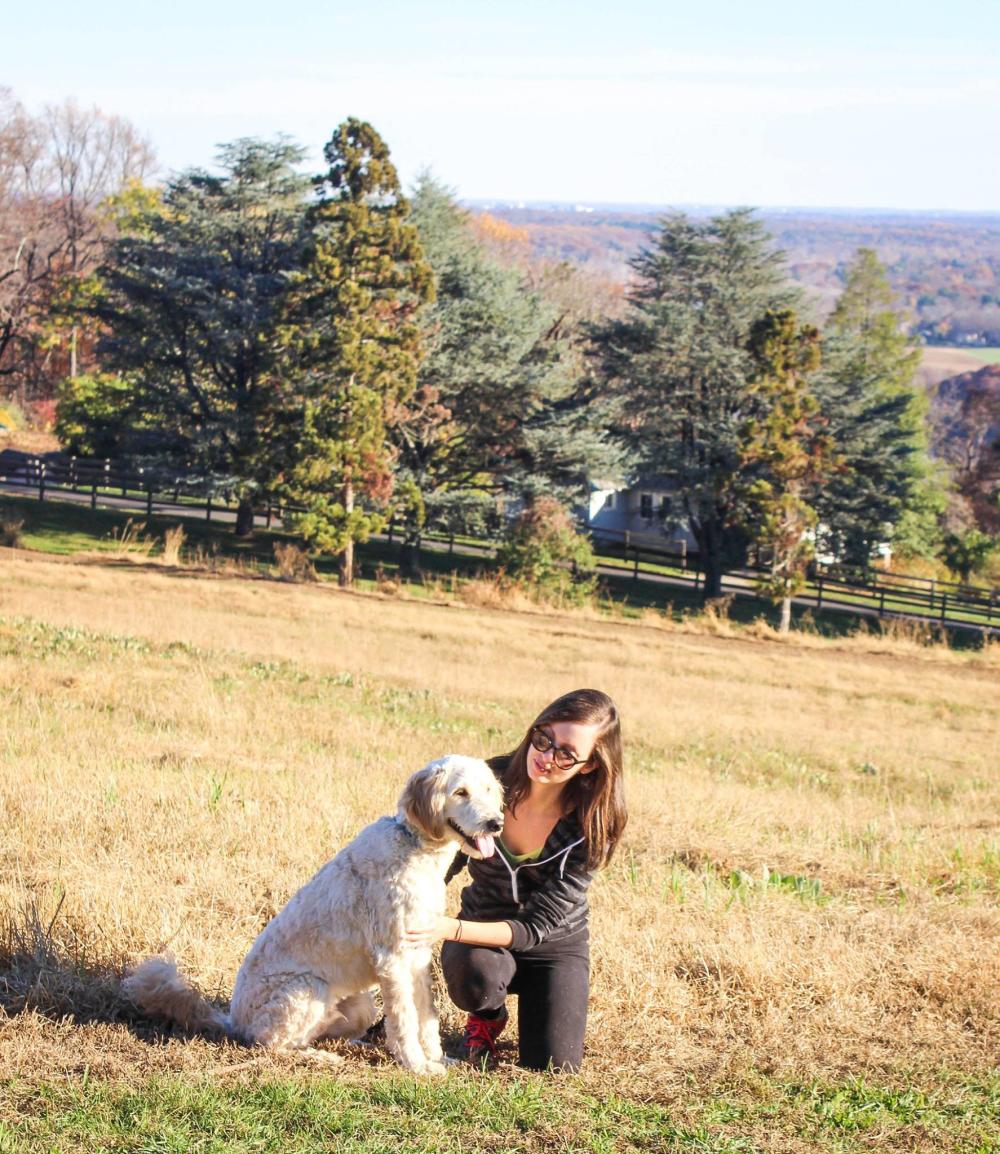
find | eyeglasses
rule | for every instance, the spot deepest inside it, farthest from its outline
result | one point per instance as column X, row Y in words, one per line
column 563, row 758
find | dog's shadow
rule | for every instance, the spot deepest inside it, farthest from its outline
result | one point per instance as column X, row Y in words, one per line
column 40, row 975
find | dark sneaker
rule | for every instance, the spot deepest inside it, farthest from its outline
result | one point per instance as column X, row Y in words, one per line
column 479, row 1042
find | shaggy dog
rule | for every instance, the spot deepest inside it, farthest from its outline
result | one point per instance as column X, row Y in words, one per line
column 311, row 972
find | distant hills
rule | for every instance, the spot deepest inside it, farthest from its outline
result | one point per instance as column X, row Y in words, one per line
column 945, row 267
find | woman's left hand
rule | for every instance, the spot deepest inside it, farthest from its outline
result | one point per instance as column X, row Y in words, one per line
column 418, row 936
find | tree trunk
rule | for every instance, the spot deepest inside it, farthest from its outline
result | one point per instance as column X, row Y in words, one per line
column 785, row 623
column 709, row 540
column 409, row 556
column 72, row 353
column 345, row 572
column 244, row 517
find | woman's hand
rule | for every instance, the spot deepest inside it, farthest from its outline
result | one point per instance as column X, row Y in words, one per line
column 419, row 936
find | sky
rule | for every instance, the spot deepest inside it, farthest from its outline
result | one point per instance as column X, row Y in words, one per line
column 851, row 104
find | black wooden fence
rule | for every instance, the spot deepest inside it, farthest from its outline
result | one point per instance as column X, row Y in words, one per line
column 829, row 587
column 104, row 482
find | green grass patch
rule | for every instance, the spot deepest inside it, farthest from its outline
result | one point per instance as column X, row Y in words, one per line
column 990, row 355
column 393, row 1113
column 465, row 1112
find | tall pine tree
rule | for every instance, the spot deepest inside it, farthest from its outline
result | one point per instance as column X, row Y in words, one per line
column 877, row 419
column 681, row 364
column 786, row 453
column 190, row 296
column 498, row 408
column 353, row 343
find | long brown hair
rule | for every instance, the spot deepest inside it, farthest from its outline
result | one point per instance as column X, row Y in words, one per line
column 598, row 796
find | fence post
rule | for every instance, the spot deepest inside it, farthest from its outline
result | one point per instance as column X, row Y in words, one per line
column 635, row 567
column 41, row 480
column 93, row 495
column 72, row 473
column 451, row 545
column 208, row 507
column 149, row 500
column 819, row 591
column 944, row 605
column 267, row 519
column 881, row 602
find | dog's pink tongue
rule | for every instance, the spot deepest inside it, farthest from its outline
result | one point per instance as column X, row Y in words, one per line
column 485, row 845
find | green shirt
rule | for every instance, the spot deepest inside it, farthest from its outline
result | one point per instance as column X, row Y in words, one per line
column 519, row 858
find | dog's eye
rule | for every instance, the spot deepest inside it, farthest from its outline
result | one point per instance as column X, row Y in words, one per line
column 461, row 792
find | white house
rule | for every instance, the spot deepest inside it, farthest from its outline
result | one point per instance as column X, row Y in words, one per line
column 643, row 511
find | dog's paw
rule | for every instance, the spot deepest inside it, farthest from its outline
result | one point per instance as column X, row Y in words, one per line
column 437, row 1069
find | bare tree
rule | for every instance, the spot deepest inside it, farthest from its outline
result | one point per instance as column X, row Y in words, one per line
column 93, row 156
column 57, row 170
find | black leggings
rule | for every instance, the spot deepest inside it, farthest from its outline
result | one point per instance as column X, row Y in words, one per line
column 551, row 983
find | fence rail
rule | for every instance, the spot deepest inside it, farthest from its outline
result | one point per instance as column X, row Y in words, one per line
column 106, row 484
column 829, row 587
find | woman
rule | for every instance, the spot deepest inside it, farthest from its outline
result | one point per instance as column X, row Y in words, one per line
column 523, row 924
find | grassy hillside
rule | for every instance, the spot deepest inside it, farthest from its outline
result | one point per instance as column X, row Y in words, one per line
column 794, row 951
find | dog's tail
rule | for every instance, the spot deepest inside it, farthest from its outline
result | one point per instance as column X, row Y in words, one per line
column 160, row 990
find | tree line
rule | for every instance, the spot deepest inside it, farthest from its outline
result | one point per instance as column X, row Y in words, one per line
column 359, row 353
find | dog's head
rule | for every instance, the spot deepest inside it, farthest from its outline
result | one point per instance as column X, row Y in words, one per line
column 455, row 799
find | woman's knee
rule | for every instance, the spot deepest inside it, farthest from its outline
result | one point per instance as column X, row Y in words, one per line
column 476, row 978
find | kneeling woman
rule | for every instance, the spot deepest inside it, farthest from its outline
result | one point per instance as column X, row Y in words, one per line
column 523, row 925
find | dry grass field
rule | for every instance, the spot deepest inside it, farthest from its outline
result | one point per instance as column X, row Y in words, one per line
column 796, row 949
column 939, row 362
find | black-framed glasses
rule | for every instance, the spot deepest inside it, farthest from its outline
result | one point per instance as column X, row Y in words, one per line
column 564, row 758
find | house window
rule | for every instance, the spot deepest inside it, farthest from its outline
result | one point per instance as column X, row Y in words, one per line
column 664, row 511
column 646, row 505
column 609, row 501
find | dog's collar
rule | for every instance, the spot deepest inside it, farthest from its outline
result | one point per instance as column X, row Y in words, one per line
column 407, row 829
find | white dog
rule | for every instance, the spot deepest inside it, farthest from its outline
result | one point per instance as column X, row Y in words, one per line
column 311, row 972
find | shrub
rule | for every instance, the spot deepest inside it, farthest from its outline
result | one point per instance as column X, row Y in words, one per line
column 545, row 553
column 10, row 529
column 93, row 414
column 292, row 562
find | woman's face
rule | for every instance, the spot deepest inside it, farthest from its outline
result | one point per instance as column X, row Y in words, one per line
column 574, row 738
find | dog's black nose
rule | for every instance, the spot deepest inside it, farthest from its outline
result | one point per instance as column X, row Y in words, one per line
column 494, row 826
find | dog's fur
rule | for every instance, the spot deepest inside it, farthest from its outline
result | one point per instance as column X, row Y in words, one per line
column 311, row 972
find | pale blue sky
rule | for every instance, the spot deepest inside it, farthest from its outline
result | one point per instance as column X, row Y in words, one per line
column 764, row 102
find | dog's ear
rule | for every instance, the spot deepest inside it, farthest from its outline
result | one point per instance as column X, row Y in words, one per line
column 422, row 801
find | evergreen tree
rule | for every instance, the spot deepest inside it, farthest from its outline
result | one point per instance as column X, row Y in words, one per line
column 353, row 343
column 496, row 409
column 190, row 295
column 877, row 419
column 681, row 364
column 785, row 453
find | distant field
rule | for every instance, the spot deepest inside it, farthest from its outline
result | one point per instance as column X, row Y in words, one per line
column 794, row 951
column 940, row 362
column 990, row 356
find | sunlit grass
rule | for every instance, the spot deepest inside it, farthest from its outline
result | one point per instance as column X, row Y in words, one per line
column 796, row 944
